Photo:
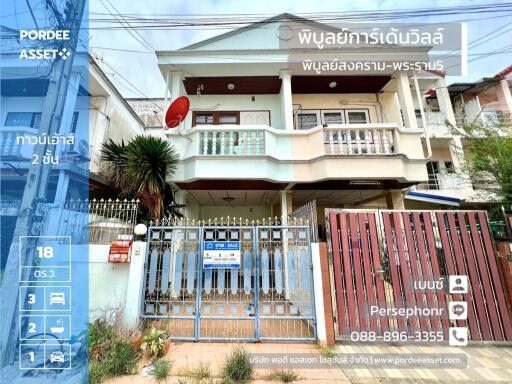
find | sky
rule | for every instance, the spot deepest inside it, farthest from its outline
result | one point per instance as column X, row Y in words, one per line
column 140, row 68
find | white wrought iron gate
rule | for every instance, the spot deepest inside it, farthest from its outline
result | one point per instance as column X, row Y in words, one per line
column 267, row 294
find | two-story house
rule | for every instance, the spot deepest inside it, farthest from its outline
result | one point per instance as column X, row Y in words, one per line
column 262, row 138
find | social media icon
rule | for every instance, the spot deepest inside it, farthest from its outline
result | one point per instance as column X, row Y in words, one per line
column 458, row 284
column 458, row 336
column 458, row 310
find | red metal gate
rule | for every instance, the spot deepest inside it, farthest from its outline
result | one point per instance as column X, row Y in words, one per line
column 383, row 259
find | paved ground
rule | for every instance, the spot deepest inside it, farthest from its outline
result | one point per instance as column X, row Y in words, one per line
column 485, row 364
column 187, row 356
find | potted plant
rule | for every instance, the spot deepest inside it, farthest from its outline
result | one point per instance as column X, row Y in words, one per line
column 157, row 342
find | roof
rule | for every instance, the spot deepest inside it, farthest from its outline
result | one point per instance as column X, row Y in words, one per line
column 504, row 72
column 473, row 87
column 273, row 19
column 431, row 198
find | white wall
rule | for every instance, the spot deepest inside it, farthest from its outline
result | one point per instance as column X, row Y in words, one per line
column 116, row 286
column 212, row 211
column 318, row 291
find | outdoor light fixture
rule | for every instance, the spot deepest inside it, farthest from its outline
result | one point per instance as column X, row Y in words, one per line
column 364, row 182
column 333, row 84
column 140, row 229
column 227, row 198
column 231, row 86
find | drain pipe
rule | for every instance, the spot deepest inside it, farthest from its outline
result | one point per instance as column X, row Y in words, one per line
column 422, row 113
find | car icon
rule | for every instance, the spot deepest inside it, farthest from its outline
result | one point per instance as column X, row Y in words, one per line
column 57, row 298
column 57, row 357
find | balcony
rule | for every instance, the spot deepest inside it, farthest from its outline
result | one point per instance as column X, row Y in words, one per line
column 346, row 151
column 436, row 122
column 446, row 181
column 13, row 149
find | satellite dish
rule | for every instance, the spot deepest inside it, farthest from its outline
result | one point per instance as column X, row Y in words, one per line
column 177, row 112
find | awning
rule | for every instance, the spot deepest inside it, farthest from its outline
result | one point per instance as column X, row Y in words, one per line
column 434, row 199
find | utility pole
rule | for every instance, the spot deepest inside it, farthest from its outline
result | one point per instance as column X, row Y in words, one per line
column 37, row 185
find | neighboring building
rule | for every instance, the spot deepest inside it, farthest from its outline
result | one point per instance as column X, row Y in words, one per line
column 488, row 101
column 261, row 140
column 485, row 102
column 90, row 96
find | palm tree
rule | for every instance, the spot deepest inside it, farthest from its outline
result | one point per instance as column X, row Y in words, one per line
column 140, row 168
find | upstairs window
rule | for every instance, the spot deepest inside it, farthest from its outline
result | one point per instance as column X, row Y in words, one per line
column 307, row 120
column 333, row 117
column 215, row 118
column 23, row 119
column 357, row 117
column 202, row 118
column 228, row 118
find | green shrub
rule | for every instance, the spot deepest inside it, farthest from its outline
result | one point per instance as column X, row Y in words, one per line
column 101, row 335
column 156, row 341
column 161, row 369
column 199, row 373
column 111, row 351
column 238, row 367
column 122, row 359
column 283, row 376
column 326, row 351
column 97, row 372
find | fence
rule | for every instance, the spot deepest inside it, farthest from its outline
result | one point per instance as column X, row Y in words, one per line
column 95, row 221
column 265, row 292
column 307, row 214
column 384, row 259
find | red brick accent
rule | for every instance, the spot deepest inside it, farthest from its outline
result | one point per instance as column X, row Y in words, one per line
column 326, row 290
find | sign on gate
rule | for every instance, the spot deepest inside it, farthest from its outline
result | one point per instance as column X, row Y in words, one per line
column 221, row 254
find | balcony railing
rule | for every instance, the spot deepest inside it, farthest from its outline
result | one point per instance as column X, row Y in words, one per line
column 333, row 140
column 229, row 141
column 10, row 147
column 360, row 139
column 446, row 181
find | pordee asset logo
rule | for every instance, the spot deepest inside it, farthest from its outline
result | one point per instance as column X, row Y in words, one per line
column 47, row 53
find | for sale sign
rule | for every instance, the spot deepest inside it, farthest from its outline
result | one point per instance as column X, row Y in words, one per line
column 221, row 254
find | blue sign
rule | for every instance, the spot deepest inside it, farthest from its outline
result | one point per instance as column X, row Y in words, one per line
column 221, row 255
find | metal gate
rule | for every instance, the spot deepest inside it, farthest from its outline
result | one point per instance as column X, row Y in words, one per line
column 269, row 296
column 386, row 259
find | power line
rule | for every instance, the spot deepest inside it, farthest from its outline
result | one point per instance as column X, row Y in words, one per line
column 129, row 29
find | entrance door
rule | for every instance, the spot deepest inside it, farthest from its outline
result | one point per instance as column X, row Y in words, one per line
column 228, row 301
column 219, row 283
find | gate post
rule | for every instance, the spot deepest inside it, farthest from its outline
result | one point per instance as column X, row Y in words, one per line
column 134, row 290
column 323, row 286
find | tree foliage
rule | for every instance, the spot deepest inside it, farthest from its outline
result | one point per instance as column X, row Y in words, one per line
column 140, row 168
column 488, row 158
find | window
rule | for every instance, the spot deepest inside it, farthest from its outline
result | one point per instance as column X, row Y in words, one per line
column 203, row 119
column 307, row 120
column 23, row 119
column 333, row 117
column 228, row 119
column 215, row 118
column 449, row 167
column 433, row 167
column 357, row 116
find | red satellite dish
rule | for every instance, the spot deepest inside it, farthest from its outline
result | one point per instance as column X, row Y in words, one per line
column 177, row 112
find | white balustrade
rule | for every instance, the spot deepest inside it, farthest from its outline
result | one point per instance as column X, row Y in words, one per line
column 221, row 141
column 11, row 144
column 357, row 141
